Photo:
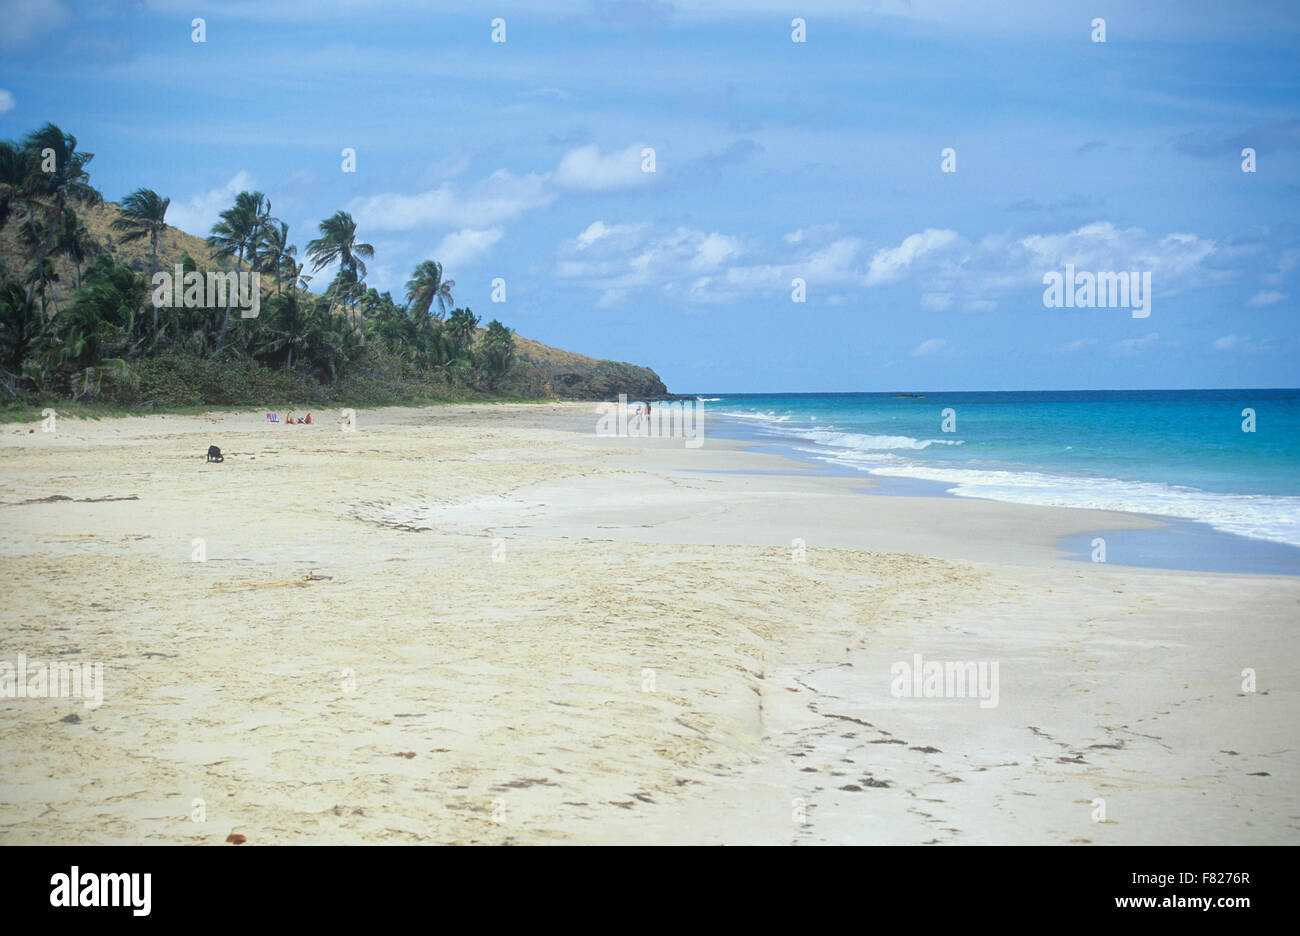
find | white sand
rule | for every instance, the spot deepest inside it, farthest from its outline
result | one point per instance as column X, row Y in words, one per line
column 519, row 686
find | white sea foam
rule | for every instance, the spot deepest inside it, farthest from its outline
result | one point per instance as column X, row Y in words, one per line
column 1258, row 516
column 768, row 416
column 866, row 442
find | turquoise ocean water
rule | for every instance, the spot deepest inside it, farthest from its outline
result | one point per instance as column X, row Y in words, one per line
column 1176, row 453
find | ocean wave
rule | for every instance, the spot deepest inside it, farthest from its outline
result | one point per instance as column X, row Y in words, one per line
column 708, row 399
column 831, row 436
column 867, row 442
column 1257, row 516
column 767, row 416
column 1275, row 518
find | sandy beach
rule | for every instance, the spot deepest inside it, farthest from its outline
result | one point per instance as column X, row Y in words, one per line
column 486, row 624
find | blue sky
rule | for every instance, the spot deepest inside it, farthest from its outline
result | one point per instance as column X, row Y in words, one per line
column 773, row 160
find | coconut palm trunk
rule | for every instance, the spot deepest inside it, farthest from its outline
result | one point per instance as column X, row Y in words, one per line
column 225, row 321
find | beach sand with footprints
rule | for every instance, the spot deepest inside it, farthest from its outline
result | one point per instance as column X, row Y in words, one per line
column 484, row 623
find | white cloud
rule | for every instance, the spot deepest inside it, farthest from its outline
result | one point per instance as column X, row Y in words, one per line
column 502, row 196
column 599, row 230
column 586, row 169
column 197, row 215
column 621, row 259
column 6, row 101
column 1102, row 247
column 1240, row 343
column 1136, row 345
column 466, row 245
column 929, row 346
column 948, row 270
column 715, row 250
column 889, row 264
column 1266, row 298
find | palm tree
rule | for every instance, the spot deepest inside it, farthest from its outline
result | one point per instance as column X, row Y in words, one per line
column 264, row 222
column 59, row 176
column 297, row 278
column 338, row 243
column 426, row 286
column 498, row 350
column 143, row 214
column 77, row 245
column 21, row 327
column 462, row 325
column 34, row 234
column 236, row 235
column 293, row 327
column 275, row 249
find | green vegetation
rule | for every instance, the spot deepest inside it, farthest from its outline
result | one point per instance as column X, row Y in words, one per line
column 120, row 344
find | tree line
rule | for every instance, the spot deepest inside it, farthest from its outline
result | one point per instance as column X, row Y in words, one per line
column 110, row 334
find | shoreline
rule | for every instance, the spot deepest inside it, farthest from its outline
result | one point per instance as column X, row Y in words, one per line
column 473, row 624
column 1178, row 544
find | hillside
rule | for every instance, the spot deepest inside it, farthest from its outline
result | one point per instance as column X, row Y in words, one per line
column 542, row 370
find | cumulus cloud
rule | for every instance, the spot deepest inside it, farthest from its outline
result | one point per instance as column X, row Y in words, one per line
column 949, row 271
column 1103, row 247
column 889, row 264
column 600, row 231
column 714, row 250
column 466, row 245
column 836, row 263
column 587, row 169
column 616, row 258
column 6, row 101
column 502, row 196
column 197, row 214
